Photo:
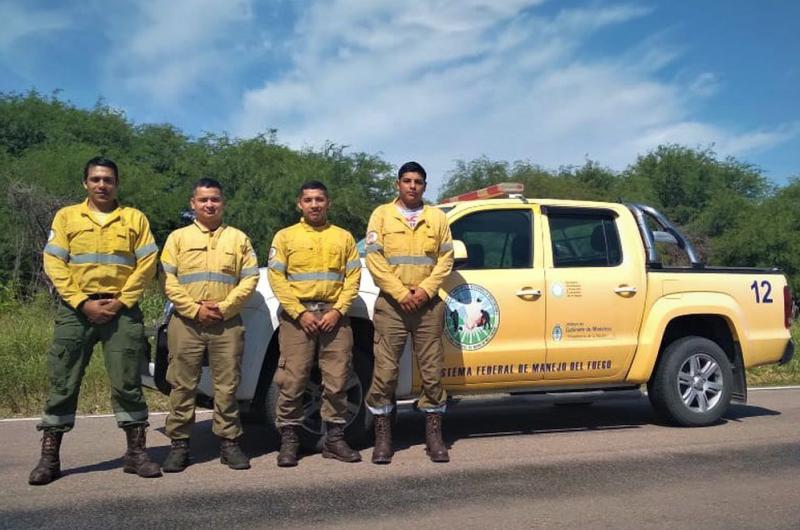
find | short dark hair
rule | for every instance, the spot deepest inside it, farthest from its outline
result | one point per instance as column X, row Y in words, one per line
column 206, row 182
column 313, row 185
column 100, row 161
column 412, row 167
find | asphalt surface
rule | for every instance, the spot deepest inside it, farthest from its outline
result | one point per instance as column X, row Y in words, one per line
column 516, row 463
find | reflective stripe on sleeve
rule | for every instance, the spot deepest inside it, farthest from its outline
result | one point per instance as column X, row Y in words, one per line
column 277, row 266
column 410, row 260
column 319, row 276
column 169, row 269
column 375, row 247
column 354, row 264
column 146, row 250
column 55, row 250
column 183, row 279
column 102, row 259
column 249, row 271
column 445, row 247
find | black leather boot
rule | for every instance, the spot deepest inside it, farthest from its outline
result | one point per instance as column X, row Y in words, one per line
column 232, row 455
column 49, row 467
column 178, row 458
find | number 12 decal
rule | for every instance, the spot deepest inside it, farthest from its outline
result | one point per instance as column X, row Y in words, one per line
column 766, row 287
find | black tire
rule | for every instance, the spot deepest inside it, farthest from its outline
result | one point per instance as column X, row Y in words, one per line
column 359, row 422
column 693, row 382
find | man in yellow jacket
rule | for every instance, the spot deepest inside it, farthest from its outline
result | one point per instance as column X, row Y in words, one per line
column 210, row 270
column 99, row 256
column 314, row 271
column 409, row 253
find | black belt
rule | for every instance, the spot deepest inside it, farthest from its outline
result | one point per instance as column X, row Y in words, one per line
column 102, row 296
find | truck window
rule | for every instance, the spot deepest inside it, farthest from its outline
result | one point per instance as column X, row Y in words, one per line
column 497, row 239
column 584, row 239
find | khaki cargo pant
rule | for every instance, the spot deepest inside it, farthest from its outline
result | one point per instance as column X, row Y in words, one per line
column 392, row 327
column 298, row 351
column 74, row 339
column 187, row 341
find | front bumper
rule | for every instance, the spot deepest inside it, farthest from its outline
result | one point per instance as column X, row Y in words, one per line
column 788, row 353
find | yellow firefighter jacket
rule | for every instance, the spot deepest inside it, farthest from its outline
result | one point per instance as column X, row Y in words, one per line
column 399, row 257
column 319, row 264
column 219, row 266
column 84, row 256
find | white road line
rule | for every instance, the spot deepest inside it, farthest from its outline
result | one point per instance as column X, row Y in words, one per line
column 90, row 416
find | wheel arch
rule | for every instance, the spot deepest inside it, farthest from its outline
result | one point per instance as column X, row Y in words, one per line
column 268, row 366
column 717, row 327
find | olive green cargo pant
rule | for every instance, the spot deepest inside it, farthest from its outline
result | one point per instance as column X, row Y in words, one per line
column 187, row 341
column 74, row 338
column 392, row 327
column 298, row 351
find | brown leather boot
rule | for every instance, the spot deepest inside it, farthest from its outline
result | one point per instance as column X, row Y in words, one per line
column 336, row 447
column 382, row 453
column 290, row 444
column 434, row 445
column 136, row 460
column 49, row 467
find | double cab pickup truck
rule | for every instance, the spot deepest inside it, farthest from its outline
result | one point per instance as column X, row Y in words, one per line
column 551, row 296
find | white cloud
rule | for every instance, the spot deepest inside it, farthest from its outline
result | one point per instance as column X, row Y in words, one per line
column 167, row 48
column 21, row 21
column 705, row 85
column 439, row 81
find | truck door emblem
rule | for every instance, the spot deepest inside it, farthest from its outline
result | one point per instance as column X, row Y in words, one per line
column 557, row 333
column 471, row 317
column 557, row 289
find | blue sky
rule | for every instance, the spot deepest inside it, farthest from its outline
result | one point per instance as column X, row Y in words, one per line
column 553, row 82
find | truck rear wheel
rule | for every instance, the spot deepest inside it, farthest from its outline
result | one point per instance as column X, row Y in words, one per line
column 359, row 419
column 692, row 383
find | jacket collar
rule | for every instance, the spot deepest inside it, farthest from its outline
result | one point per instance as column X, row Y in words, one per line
column 205, row 229
column 424, row 216
column 113, row 215
column 310, row 228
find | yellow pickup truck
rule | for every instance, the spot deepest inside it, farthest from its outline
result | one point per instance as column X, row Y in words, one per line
column 557, row 296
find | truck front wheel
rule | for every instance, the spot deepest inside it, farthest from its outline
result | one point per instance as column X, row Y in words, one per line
column 692, row 383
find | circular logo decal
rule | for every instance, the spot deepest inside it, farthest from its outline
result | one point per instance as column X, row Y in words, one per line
column 557, row 333
column 557, row 289
column 471, row 317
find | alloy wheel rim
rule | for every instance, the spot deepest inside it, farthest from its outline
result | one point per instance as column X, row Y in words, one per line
column 700, row 382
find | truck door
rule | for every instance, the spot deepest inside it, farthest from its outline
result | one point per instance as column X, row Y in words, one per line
column 595, row 293
column 494, row 316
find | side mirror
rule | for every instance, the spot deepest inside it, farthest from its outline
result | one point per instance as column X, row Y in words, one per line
column 459, row 252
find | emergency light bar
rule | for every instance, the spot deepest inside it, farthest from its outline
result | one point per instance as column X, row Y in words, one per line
column 494, row 191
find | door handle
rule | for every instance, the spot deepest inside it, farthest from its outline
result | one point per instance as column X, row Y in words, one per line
column 529, row 292
column 625, row 290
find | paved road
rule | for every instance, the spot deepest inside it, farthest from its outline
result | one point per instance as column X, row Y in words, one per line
column 517, row 463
